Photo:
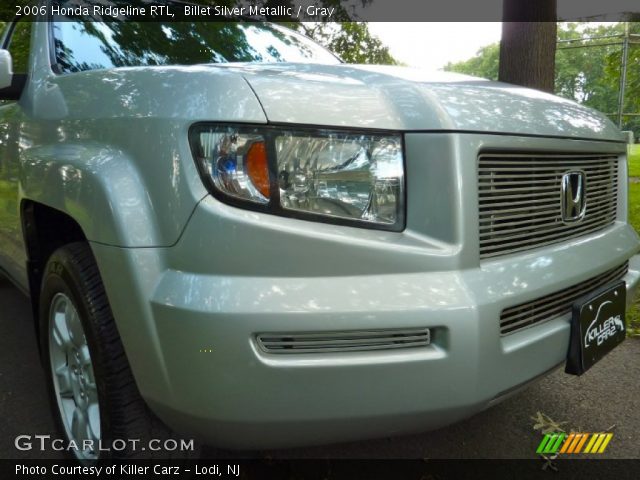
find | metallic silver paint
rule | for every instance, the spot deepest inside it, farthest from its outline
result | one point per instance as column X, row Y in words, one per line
column 400, row 98
column 256, row 275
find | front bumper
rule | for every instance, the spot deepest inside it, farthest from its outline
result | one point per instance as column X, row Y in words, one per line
column 188, row 317
column 197, row 364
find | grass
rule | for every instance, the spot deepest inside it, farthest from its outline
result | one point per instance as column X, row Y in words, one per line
column 633, row 315
column 634, row 160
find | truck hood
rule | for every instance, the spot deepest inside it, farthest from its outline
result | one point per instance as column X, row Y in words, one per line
column 399, row 98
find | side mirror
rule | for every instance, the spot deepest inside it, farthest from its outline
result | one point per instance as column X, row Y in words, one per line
column 6, row 69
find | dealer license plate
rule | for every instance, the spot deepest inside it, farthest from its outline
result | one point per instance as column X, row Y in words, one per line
column 597, row 327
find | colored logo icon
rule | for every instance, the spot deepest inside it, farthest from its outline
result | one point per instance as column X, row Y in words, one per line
column 574, row 443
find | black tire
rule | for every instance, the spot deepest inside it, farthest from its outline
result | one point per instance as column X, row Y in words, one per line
column 72, row 271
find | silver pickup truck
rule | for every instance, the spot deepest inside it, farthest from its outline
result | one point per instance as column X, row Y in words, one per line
column 227, row 233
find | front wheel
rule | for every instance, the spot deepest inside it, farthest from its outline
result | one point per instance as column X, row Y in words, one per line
column 93, row 393
column 73, row 378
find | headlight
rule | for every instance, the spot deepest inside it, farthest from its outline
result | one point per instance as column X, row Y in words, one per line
column 329, row 175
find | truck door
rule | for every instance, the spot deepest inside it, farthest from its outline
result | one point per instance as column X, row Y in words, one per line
column 12, row 251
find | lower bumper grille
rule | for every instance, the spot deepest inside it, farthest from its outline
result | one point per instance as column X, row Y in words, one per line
column 345, row 341
column 551, row 306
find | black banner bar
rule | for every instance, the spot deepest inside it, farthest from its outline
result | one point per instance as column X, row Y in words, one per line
column 322, row 469
column 308, row 10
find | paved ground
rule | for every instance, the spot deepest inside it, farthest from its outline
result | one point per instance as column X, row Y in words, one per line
column 606, row 398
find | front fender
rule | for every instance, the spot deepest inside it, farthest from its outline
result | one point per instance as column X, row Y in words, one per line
column 98, row 186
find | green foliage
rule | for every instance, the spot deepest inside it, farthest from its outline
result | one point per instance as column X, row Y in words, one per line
column 8, row 9
column 351, row 41
column 592, row 75
column 634, row 160
column 588, row 75
column 484, row 64
column 20, row 46
column 633, row 319
column 633, row 314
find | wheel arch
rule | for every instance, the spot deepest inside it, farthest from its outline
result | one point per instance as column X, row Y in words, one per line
column 45, row 229
column 99, row 187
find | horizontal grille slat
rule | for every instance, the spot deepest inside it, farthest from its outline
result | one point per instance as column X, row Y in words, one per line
column 605, row 217
column 497, row 216
column 599, row 204
column 520, row 199
column 555, row 298
column 595, row 199
column 524, row 181
column 345, row 341
column 516, row 214
column 551, row 306
column 557, row 221
column 569, row 157
column 527, row 188
column 550, row 191
column 543, row 174
column 600, row 191
column 533, row 242
column 361, row 341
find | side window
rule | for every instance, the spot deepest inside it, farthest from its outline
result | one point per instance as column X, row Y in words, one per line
column 20, row 46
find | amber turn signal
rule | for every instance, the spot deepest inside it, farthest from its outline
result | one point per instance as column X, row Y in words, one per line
column 258, row 168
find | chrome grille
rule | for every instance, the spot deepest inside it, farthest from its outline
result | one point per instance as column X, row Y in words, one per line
column 344, row 341
column 520, row 199
column 551, row 306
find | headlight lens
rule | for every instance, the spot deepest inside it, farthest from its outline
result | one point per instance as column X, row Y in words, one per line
column 337, row 176
column 235, row 161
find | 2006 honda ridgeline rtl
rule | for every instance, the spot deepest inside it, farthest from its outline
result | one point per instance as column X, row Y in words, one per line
column 225, row 230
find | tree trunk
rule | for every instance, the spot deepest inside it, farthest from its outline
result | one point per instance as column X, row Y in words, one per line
column 528, row 46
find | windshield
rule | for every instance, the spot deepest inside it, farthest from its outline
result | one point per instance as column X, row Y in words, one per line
column 91, row 45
